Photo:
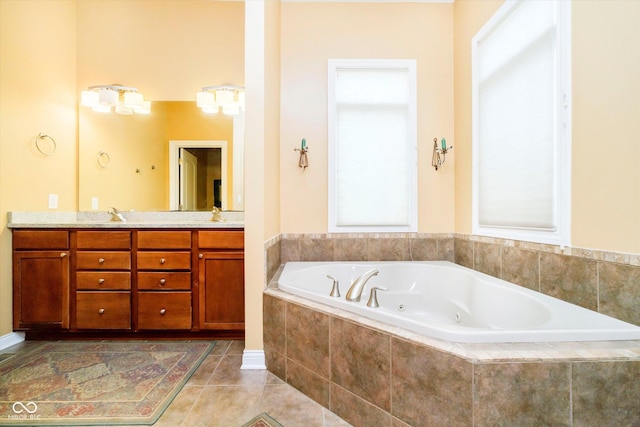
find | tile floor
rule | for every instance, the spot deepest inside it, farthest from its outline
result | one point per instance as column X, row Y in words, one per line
column 220, row 394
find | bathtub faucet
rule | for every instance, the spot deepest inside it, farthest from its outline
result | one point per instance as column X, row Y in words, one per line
column 355, row 291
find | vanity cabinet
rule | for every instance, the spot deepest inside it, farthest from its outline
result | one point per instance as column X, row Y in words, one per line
column 102, row 279
column 164, row 280
column 221, row 278
column 40, row 279
column 128, row 282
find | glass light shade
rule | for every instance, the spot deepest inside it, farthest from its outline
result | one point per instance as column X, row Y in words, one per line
column 232, row 109
column 224, row 97
column 241, row 99
column 145, row 109
column 133, row 100
column 205, row 99
column 102, row 108
column 210, row 109
column 108, row 97
column 122, row 108
column 88, row 98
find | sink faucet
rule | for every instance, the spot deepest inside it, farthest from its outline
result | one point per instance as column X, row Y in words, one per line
column 116, row 215
column 216, row 214
column 355, row 291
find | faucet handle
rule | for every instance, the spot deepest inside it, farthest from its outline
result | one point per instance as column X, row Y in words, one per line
column 335, row 290
column 373, row 298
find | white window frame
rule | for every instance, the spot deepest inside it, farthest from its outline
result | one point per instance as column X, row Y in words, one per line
column 562, row 191
column 334, row 65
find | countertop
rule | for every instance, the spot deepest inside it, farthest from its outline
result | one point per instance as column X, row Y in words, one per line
column 134, row 219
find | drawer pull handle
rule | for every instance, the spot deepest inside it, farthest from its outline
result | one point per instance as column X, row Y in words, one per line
column 101, row 260
column 101, row 311
column 163, row 281
column 163, row 311
column 200, row 256
column 100, row 281
column 162, row 260
column 63, row 254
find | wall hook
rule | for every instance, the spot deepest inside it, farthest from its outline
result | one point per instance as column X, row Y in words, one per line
column 303, row 161
column 439, row 152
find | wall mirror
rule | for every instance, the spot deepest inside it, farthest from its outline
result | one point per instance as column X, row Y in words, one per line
column 124, row 160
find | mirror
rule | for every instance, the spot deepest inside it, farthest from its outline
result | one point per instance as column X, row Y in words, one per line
column 124, row 160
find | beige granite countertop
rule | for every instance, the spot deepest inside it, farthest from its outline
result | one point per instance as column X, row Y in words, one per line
column 134, row 219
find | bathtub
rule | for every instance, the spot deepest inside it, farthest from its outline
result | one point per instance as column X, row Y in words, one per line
column 443, row 300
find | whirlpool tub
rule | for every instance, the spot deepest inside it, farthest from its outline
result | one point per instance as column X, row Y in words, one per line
column 443, row 300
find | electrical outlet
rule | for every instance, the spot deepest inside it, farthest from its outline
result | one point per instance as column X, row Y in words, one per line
column 94, row 203
column 53, row 201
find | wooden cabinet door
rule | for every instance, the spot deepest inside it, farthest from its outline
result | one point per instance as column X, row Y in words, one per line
column 221, row 299
column 41, row 289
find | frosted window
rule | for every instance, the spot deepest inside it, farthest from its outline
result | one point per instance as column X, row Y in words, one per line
column 372, row 161
column 520, row 124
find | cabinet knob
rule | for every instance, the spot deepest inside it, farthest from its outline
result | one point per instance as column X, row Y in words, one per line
column 101, row 311
column 163, row 281
column 162, row 260
column 101, row 260
column 200, row 256
column 100, row 281
column 63, row 254
column 163, row 311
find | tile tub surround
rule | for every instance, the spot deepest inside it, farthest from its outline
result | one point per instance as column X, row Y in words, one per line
column 606, row 282
column 370, row 373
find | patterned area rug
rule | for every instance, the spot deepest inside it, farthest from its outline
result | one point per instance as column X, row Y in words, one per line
column 262, row 420
column 96, row 382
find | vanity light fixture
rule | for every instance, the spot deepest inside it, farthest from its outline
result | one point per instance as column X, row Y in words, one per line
column 228, row 98
column 121, row 99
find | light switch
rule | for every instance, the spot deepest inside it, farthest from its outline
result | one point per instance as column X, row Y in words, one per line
column 94, row 203
column 53, row 201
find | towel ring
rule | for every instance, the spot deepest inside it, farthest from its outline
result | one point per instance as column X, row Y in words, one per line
column 103, row 159
column 53, row 144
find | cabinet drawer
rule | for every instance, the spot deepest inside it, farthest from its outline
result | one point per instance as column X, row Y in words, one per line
column 164, row 239
column 221, row 239
column 170, row 280
column 103, row 239
column 103, row 310
column 36, row 239
column 103, row 261
column 103, row 280
column 164, row 310
column 164, row 260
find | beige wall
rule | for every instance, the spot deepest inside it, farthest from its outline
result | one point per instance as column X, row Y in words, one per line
column 606, row 125
column 262, row 71
column 311, row 34
column 169, row 50
column 605, row 151
column 37, row 94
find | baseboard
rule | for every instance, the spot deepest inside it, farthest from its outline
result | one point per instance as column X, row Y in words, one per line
column 253, row 359
column 11, row 339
